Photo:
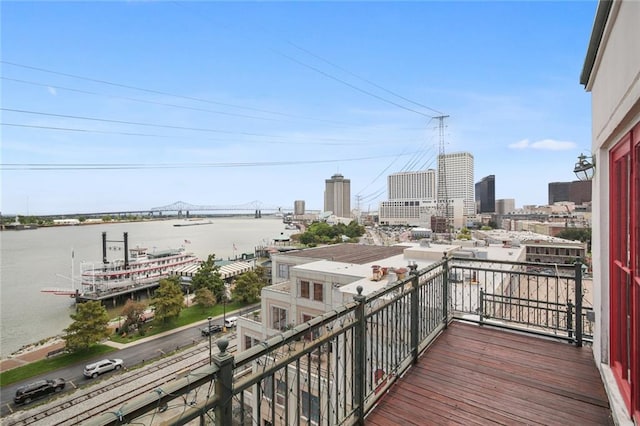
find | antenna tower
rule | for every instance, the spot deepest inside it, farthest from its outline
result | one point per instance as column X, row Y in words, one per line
column 442, row 175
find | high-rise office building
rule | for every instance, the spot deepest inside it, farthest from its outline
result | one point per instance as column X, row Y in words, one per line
column 337, row 195
column 486, row 194
column 578, row 192
column 504, row 206
column 455, row 179
column 298, row 207
column 419, row 185
column 558, row 191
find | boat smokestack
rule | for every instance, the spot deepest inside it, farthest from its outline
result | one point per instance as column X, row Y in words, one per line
column 126, row 250
column 104, row 248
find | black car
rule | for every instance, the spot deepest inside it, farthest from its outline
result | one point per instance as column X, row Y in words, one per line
column 26, row 394
column 212, row 329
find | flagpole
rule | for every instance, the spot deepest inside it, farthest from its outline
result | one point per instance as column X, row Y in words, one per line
column 73, row 285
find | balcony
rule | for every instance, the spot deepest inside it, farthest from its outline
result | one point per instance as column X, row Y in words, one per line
column 461, row 340
column 480, row 375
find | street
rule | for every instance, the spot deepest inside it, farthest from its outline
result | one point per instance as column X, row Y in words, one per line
column 133, row 355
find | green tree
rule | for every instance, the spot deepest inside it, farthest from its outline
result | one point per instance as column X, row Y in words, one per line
column 263, row 273
column 323, row 233
column 577, row 234
column 307, row 238
column 168, row 299
column 204, row 297
column 464, row 234
column 89, row 326
column 355, row 230
column 132, row 311
column 247, row 287
column 208, row 276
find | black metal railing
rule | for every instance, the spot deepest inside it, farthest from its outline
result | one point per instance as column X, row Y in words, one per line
column 517, row 295
column 333, row 368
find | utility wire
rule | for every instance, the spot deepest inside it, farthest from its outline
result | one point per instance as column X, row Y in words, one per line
column 111, row 132
column 375, row 196
column 337, row 124
column 142, row 166
column 326, row 74
column 354, row 87
column 160, row 92
column 380, row 174
column 164, row 126
column 412, row 162
column 363, row 79
column 87, row 92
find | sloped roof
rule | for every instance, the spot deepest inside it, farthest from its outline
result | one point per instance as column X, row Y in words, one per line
column 226, row 271
column 350, row 253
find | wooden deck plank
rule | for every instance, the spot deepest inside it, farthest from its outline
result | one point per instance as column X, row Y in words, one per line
column 493, row 394
column 563, row 381
column 511, row 394
column 520, row 357
column 463, row 404
column 483, row 375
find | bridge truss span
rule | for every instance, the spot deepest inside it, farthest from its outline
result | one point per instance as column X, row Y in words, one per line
column 252, row 206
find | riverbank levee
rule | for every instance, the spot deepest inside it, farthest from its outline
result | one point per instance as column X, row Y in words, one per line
column 32, row 353
column 53, row 346
column 46, row 257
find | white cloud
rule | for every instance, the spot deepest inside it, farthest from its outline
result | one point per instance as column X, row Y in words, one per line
column 523, row 144
column 544, row 144
column 52, row 90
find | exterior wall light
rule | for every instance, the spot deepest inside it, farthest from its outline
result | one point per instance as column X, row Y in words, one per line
column 585, row 167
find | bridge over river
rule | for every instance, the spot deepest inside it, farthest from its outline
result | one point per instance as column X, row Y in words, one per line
column 252, row 206
column 181, row 208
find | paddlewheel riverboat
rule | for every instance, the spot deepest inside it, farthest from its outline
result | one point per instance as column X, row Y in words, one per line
column 139, row 267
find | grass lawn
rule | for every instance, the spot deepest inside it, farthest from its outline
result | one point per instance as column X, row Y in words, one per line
column 39, row 367
column 187, row 316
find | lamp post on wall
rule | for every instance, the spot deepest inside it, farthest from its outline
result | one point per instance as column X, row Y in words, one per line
column 584, row 169
column 209, row 333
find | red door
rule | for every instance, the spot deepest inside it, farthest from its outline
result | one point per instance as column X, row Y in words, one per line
column 625, row 268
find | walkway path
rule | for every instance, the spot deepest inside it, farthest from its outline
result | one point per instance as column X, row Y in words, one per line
column 36, row 354
column 40, row 352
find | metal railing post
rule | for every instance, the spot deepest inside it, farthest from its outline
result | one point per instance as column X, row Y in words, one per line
column 360, row 356
column 578, row 303
column 569, row 320
column 415, row 338
column 445, row 290
column 224, row 384
column 481, row 307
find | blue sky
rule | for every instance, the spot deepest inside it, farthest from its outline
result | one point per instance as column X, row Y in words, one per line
column 111, row 106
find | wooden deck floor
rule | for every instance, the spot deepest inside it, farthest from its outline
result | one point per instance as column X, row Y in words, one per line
column 479, row 375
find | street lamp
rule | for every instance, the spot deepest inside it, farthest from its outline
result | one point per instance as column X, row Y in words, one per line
column 209, row 333
column 224, row 308
column 224, row 311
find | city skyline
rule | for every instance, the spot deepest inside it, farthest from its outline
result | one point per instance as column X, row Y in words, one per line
column 216, row 103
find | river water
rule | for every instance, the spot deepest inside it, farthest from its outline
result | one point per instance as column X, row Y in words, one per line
column 31, row 260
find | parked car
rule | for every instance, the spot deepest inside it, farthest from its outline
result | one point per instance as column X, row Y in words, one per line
column 27, row 393
column 230, row 322
column 103, row 366
column 213, row 329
